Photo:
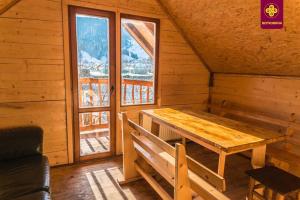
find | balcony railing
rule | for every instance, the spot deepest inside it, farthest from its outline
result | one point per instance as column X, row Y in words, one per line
column 94, row 92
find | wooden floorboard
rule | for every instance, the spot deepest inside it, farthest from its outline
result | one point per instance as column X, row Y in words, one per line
column 96, row 180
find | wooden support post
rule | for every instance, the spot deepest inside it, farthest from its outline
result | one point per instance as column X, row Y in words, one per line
column 221, row 166
column 182, row 183
column 298, row 195
column 129, row 153
column 259, row 157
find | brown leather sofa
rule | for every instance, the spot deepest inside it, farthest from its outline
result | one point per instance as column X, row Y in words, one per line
column 24, row 171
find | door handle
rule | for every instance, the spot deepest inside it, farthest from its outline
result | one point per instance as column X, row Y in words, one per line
column 112, row 89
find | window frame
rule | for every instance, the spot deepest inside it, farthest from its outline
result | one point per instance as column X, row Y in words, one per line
column 156, row 62
column 73, row 10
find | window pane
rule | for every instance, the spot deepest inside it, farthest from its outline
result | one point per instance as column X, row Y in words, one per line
column 94, row 132
column 138, row 62
column 93, row 61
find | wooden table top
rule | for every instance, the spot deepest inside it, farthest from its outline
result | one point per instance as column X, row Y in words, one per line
column 222, row 133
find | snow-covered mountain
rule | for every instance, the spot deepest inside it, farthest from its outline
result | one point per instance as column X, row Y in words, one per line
column 86, row 60
column 93, row 51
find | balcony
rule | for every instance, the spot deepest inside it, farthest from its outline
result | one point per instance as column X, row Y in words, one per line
column 94, row 126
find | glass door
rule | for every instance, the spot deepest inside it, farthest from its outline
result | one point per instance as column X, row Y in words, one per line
column 93, row 71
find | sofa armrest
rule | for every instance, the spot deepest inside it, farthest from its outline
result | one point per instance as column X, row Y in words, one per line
column 20, row 142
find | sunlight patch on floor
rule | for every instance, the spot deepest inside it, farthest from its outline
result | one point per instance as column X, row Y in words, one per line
column 94, row 145
column 105, row 186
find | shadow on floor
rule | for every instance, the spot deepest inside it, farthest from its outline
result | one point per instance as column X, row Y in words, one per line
column 97, row 179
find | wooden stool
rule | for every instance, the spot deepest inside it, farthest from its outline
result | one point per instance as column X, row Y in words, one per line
column 273, row 181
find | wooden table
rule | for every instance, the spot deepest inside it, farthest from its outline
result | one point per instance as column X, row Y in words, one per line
column 221, row 135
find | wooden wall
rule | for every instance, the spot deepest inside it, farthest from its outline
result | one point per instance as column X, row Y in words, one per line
column 277, row 97
column 32, row 72
column 35, row 69
column 227, row 34
column 6, row 4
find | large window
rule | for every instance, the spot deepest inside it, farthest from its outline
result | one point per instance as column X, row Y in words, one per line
column 139, row 53
column 92, row 34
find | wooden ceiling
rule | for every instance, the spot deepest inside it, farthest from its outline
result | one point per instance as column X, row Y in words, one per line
column 227, row 35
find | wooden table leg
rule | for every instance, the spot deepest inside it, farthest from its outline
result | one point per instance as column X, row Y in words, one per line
column 145, row 121
column 258, row 161
column 221, row 166
column 155, row 128
column 251, row 189
column 150, row 125
column 259, row 157
column 269, row 194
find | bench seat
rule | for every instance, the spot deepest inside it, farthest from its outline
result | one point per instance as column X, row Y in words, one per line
column 276, row 179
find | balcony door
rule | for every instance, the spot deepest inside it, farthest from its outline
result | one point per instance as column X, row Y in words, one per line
column 92, row 36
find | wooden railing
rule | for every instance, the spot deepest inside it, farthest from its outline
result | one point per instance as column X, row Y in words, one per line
column 140, row 83
column 94, row 96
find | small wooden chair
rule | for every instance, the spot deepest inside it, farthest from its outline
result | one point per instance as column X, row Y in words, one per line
column 274, row 181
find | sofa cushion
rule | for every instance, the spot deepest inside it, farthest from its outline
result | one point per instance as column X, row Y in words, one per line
column 35, row 196
column 20, row 142
column 24, row 176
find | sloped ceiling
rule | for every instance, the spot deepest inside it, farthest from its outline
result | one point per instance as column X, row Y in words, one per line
column 227, row 35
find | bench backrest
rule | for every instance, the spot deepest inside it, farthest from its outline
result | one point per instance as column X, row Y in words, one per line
column 182, row 172
column 288, row 126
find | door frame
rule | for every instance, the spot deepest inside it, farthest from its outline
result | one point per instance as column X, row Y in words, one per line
column 73, row 10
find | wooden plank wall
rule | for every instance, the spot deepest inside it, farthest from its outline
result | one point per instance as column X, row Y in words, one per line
column 32, row 72
column 34, row 88
column 277, row 97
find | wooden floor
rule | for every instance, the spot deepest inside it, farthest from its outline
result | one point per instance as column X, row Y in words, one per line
column 95, row 180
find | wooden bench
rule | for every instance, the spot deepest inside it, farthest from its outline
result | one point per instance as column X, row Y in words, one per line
column 145, row 153
column 286, row 127
column 289, row 125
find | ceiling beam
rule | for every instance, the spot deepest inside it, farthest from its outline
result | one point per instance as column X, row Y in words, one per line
column 143, row 35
